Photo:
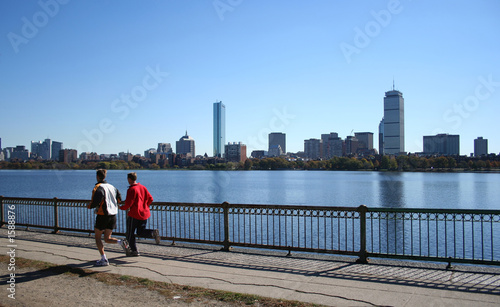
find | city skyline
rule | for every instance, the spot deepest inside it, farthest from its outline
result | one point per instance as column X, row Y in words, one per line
column 138, row 74
column 329, row 146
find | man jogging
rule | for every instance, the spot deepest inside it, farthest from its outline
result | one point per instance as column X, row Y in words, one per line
column 105, row 200
column 138, row 201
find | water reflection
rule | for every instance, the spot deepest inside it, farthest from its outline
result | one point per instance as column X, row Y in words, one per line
column 391, row 187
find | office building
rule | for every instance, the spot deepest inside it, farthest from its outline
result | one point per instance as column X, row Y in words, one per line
column 185, row 146
column 219, row 128
column 312, row 148
column 365, row 140
column 277, row 144
column 351, row 145
column 275, row 151
column 259, row 154
column 381, row 137
column 41, row 149
column 394, row 131
column 56, row 148
column 164, row 148
column 442, row 144
column 331, row 145
column 480, row 147
column 235, row 152
column 20, row 153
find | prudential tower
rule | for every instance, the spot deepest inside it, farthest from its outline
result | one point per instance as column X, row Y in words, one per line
column 394, row 122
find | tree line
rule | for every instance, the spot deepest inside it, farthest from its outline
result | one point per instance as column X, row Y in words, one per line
column 376, row 163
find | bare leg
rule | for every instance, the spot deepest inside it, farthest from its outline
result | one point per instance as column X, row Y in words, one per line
column 107, row 237
column 98, row 241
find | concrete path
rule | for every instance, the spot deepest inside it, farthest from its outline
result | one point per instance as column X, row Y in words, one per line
column 322, row 279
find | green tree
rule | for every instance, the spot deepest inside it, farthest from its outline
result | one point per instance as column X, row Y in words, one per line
column 402, row 162
column 384, row 163
column 248, row 164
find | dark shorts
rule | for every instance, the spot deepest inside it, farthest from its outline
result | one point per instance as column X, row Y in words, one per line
column 105, row 222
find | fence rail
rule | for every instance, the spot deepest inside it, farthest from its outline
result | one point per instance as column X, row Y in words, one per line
column 466, row 236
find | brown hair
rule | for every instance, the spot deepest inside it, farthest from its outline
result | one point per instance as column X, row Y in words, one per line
column 101, row 174
column 132, row 176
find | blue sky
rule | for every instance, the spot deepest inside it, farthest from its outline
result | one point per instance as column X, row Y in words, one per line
column 112, row 76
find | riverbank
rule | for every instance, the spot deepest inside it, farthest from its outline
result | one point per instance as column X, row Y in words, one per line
column 375, row 163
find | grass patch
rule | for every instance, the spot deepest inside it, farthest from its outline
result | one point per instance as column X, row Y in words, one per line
column 187, row 294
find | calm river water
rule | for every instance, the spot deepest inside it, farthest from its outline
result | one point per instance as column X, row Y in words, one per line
column 315, row 188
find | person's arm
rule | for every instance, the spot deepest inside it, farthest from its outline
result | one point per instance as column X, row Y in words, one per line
column 149, row 197
column 118, row 196
column 129, row 200
column 97, row 197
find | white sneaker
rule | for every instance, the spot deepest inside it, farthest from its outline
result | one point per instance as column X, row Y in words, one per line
column 101, row 263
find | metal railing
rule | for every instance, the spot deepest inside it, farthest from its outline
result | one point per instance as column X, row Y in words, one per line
column 467, row 236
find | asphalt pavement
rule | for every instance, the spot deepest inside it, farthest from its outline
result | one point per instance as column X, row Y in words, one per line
column 323, row 279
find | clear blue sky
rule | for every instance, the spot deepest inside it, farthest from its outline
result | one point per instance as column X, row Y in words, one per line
column 299, row 67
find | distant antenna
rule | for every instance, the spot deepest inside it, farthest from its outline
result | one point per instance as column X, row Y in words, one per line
column 393, row 83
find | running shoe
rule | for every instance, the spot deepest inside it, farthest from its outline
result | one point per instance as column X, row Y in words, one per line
column 101, row 262
column 125, row 247
column 156, row 236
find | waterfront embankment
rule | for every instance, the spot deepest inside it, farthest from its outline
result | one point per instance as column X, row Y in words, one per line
column 321, row 279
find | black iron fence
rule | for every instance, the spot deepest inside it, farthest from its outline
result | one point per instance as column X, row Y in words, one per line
column 467, row 236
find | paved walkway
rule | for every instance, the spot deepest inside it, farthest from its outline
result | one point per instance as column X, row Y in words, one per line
column 321, row 279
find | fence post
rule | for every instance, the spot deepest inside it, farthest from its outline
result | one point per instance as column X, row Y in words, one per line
column 362, row 232
column 225, row 207
column 56, row 217
column 2, row 221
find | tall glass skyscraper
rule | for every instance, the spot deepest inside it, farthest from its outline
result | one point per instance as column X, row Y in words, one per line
column 219, row 128
column 394, row 122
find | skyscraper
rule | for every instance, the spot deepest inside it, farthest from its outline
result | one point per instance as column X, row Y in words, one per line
column 219, row 128
column 480, row 147
column 277, row 140
column 394, row 122
column 41, row 149
column 56, row 148
column 381, row 137
column 312, row 148
column 185, row 146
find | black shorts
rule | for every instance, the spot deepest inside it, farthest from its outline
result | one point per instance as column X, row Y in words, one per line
column 105, row 222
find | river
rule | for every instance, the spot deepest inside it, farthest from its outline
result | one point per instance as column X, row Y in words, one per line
column 314, row 188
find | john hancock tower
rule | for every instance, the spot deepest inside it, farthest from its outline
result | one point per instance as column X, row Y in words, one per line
column 219, row 129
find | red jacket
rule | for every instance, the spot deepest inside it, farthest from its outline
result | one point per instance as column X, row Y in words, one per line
column 138, row 200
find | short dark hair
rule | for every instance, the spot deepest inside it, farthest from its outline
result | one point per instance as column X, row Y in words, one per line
column 132, row 176
column 101, row 173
